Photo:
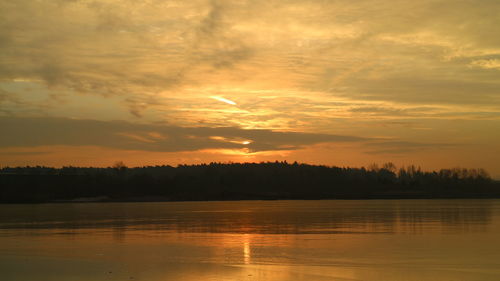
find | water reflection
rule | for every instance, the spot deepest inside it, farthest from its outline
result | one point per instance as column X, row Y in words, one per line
column 375, row 240
column 246, row 249
column 271, row 217
column 119, row 233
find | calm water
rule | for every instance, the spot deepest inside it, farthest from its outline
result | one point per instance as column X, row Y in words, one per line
column 252, row 240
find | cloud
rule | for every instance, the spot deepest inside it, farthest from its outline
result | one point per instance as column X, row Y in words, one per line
column 24, row 153
column 422, row 89
column 156, row 55
column 30, row 132
column 402, row 147
column 117, row 48
column 132, row 48
column 487, row 63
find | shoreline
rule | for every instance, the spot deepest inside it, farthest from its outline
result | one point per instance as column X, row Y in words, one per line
column 152, row 199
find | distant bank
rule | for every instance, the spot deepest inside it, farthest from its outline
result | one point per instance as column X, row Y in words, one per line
column 239, row 181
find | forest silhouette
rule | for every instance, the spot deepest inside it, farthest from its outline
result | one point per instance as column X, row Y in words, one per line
column 239, row 181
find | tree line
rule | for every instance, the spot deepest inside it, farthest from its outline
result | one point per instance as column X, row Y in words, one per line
column 240, row 181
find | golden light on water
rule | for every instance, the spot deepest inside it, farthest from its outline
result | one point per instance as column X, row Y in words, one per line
column 247, row 254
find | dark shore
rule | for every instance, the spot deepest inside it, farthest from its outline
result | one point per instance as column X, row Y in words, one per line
column 248, row 181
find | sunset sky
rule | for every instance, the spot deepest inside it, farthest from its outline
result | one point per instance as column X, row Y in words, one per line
column 335, row 82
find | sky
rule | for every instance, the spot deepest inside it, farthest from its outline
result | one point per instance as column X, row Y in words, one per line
column 331, row 82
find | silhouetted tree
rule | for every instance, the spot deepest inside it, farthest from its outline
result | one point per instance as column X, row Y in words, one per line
column 229, row 181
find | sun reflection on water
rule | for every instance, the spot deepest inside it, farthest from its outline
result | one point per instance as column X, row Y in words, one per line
column 247, row 254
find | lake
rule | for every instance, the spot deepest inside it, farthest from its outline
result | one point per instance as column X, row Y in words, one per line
column 375, row 240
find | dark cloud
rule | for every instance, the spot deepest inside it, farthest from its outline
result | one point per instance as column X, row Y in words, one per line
column 29, row 132
column 402, row 147
column 24, row 153
column 425, row 89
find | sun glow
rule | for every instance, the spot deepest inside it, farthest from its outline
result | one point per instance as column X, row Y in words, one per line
column 238, row 141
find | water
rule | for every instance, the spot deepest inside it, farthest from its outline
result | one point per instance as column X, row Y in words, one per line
column 252, row 240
